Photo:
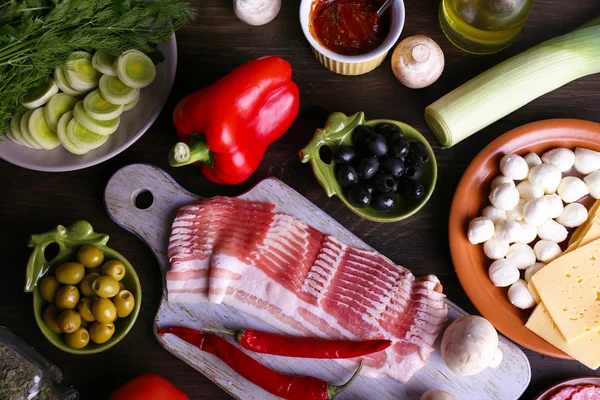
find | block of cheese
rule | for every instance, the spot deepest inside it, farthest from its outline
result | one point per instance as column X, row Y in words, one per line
column 534, row 292
column 569, row 287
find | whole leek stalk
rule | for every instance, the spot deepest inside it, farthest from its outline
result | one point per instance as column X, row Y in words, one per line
column 514, row 83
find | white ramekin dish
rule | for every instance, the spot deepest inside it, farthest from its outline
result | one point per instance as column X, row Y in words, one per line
column 353, row 65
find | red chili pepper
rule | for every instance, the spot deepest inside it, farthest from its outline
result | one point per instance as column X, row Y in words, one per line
column 229, row 125
column 148, row 387
column 285, row 386
column 304, row 347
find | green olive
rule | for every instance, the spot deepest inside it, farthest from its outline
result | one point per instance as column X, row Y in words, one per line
column 49, row 286
column 67, row 297
column 51, row 318
column 86, row 284
column 84, row 308
column 70, row 273
column 113, row 268
column 124, row 302
column 69, row 321
column 122, row 286
column 105, row 286
column 90, row 256
column 78, row 339
column 104, row 310
column 101, row 333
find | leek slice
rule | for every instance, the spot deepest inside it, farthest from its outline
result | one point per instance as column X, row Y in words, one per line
column 39, row 96
column 15, row 129
column 98, row 108
column 82, row 137
column 115, row 91
column 59, row 104
column 40, row 131
column 10, row 137
column 94, row 125
column 80, row 72
column 63, row 84
column 61, row 130
column 103, row 62
column 134, row 103
column 24, row 127
column 135, row 69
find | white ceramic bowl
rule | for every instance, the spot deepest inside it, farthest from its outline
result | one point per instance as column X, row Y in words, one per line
column 134, row 124
column 359, row 64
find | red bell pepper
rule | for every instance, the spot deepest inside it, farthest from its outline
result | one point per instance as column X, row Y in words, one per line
column 148, row 387
column 226, row 127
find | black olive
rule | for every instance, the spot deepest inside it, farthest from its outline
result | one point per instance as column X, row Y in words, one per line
column 411, row 190
column 413, row 172
column 395, row 187
column 368, row 167
column 398, row 146
column 418, row 152
column 360, row 134
column 344, row 155
column 367, row 186
column 383, row 182
column 359, row 196
column 347, row 176
column 384, row 201
column 389, row 129
column 394, row 166
column 377, row 145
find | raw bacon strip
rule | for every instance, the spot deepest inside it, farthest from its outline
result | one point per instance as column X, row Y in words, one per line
column 565, row 393
column 586, row 392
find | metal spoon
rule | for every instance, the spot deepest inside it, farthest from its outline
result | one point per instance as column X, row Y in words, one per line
column 384, row 7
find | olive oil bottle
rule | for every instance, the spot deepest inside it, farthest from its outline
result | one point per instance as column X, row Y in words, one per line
column 483, row 26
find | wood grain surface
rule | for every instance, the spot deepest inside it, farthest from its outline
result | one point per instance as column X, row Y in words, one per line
column 32, row 202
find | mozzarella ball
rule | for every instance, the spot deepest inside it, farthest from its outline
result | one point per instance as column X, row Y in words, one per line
column 546, row 176
column 529, row 272
column 535, row 211
column 572, row 189
column 586, row 161
column 552, row 231
column 493, row 214
column 495, row 249
column 516, row 214
column 593, row 184
column 529, row 232
column 521, row 255
column 503, row 273
column 546, row 251
column 519, row 295
column 514, row 167
column 480, row 230
column 573, row 215
column 437, row 395
column 499, row 180
column 507, row 230
column 527, row 191
column 555, row 205
column 561, row 158
column 505, row 197
column 532, row 160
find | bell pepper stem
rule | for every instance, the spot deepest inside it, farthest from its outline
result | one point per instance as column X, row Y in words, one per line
column 333, row 391
column 194, row 151
column 237, row 334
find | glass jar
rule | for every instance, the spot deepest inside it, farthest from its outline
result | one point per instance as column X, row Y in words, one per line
column 483, row 26
column 27, row 375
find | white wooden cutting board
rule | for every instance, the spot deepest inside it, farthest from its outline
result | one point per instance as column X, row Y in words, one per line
column 153, row 225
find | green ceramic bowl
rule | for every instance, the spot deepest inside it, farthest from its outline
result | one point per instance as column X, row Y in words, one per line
column 69, row 241
column 337, row 131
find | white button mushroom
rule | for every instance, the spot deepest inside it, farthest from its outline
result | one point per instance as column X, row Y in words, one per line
column 573, row 215
column 527, row 191
column 503, row 273
column 470, row 345
column 417, row 61
column 514, row 167
column 521, row 255
column 529, row 233
column 529, row 272
column 480, row 230
column 499, row 180
column 593, row 183
column 561, row 158
column 546, row 250
column 505, row 197
column 519, row 295
column 492, row 213
column 495, row 249
column 507, row 230
column 552, row 231
column 256, row 12
column 497, row 360
column 535, row 211
column 586, row 161
column 532, row 160
column 572, row 189
column 437, row 395
column 555, row 205
column 546, row 176
column 516, row 214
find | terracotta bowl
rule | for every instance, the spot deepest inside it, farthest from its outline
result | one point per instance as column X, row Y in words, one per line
column 470, row 263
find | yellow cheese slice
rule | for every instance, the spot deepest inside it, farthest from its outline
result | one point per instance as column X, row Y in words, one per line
column 593, row 213
column 534, row 292
column 569, row 287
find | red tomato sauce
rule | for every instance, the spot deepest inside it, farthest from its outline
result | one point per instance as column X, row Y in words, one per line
column 348, row 27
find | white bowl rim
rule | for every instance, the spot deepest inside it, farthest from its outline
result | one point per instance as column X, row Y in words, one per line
column 385, row 46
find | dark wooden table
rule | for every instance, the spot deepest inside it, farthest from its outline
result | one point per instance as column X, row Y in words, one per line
column 32, row 202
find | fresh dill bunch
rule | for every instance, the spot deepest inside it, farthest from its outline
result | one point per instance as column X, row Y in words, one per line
column 36, row 36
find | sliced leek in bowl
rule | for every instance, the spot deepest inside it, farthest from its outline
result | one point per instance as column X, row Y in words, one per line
column 104, row 62
column 135, row 69
column 40, row 96
column 115, row 91
column 61, row 131
column 98, row 108
column 40, row 131
column 58, row 105
column 80, row 72
column 105, row 127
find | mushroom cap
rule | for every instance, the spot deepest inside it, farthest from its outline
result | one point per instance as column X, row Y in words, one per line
column 417, row 61
column 437, row 395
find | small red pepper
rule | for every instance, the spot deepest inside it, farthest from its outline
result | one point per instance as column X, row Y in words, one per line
column 148, row 387
column 229, row 125
column 285, row 386
column 304, row 347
